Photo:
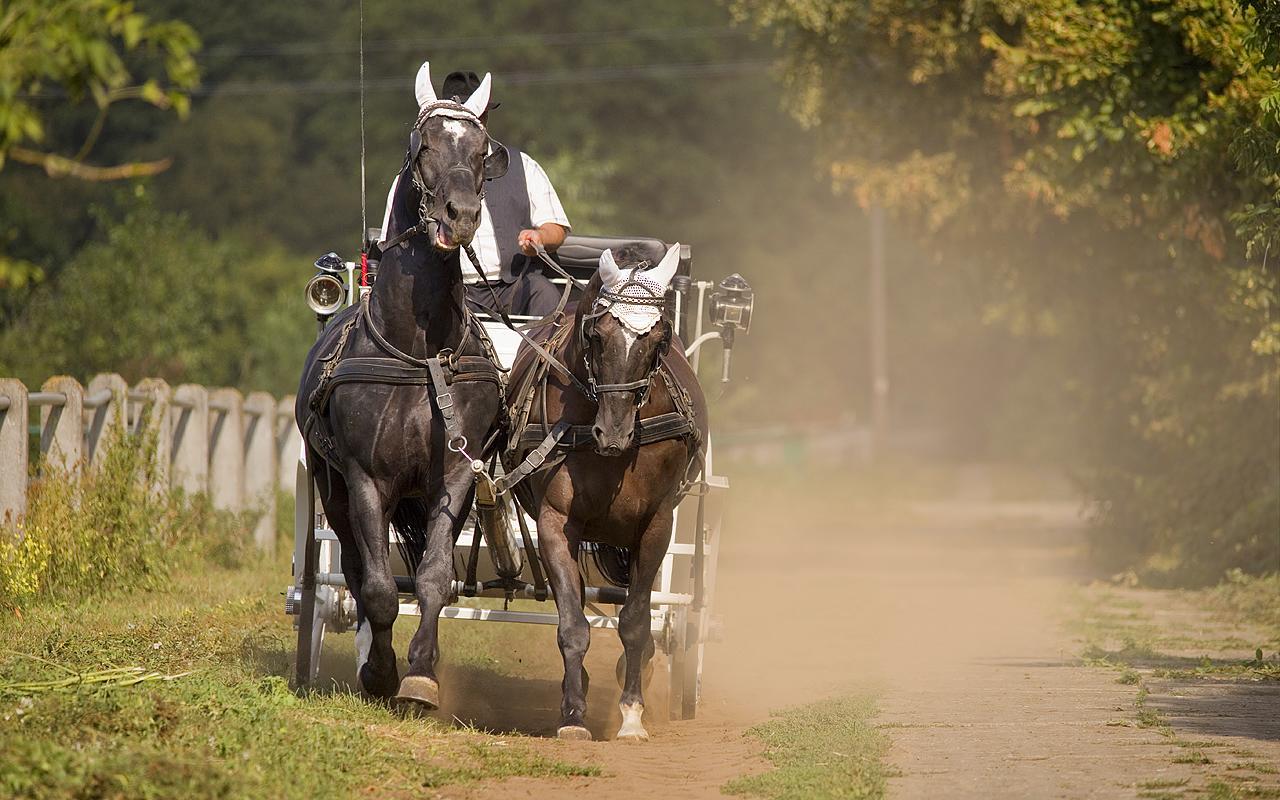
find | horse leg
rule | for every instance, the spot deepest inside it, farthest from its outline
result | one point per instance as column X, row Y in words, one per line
column 634, row 623
column 376, row 596
column 433, row 584
column 573, row 634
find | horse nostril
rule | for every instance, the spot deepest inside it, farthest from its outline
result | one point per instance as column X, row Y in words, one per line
column 451, row 210
column 597, row 432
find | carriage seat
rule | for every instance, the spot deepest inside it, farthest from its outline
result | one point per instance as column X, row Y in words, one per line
column 580, row 255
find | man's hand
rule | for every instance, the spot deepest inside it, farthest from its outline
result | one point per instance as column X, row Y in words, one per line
column 549, row 235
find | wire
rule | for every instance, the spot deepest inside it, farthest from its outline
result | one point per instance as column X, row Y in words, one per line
column 364, row 216
column 587, row 38
column 589, row 76
column 635, row 72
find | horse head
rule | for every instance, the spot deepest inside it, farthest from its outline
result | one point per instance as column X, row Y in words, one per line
column 451, row 155
column 623, row 335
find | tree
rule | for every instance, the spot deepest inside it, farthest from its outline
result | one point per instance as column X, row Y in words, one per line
column 1112, row 167
column 78, row 51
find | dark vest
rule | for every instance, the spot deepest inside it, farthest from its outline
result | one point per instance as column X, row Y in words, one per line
column 508, row 201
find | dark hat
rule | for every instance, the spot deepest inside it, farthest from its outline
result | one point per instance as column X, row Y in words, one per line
column 462, row 85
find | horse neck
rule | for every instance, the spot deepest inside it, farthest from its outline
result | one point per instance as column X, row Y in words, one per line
column 417, row 302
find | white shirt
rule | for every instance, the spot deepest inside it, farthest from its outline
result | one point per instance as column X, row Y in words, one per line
column 544, row 207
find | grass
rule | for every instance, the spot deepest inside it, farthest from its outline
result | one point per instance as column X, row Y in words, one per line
column 1121, row 632
column 1145, row 634
column 829, row 749
column 214, row 716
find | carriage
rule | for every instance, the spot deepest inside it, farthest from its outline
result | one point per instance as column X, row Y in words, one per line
column 681, row 609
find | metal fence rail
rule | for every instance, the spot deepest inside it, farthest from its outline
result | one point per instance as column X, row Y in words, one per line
column 238, row 449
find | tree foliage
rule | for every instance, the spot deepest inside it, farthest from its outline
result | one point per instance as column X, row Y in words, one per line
column 1113, row 167
column 82, row 51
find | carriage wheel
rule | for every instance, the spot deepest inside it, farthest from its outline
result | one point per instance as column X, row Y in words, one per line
column 310, row 622
column 682, row 667
column 311, row 629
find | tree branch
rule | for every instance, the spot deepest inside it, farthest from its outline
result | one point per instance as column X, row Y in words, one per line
column 56, row 166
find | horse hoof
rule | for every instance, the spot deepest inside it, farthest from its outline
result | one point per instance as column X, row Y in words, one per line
column 632, row 730
column 420, row 689
column 575, row 733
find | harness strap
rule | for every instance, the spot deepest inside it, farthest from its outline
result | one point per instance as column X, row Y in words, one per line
column 535, row 458
column 444, row 402
column 671, row 425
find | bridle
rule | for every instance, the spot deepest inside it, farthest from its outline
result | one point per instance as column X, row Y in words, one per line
column 586, row 327
column 490, row 170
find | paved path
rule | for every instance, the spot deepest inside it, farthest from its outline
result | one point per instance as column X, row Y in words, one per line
column 950, row 612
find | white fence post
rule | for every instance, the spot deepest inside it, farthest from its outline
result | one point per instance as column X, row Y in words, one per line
column 288, row 443
column 260, row 472
column 226, row 449
column 107, row 409
column 190, row 442
column 13, row 449
column 154, row 396
column 62, row 425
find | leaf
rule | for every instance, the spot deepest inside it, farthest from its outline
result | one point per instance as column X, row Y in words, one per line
column 153, row 94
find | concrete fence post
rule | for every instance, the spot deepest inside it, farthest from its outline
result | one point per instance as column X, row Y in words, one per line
column 13, row 449
column 288, row 443
column 153, row 421
column 226, row 449
column 106, row 412
column 62, row 427
column 260, row 473
column 190, row 439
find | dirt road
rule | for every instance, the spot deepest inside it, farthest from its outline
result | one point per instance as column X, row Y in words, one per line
column 950, row 612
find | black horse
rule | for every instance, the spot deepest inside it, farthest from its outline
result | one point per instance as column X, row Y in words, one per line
column 378, row 438
column 635, row 403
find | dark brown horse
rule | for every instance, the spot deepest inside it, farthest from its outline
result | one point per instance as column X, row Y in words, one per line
column 377, row 435
column 621, row 492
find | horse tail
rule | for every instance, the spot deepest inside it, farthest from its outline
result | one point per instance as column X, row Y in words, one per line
column 614, row 563
column 410, row 520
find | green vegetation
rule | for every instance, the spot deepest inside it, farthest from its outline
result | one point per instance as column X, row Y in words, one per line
column 92, row 54
column 106, row 531
column 1106, row 172
column 225, row 723
column 1146, row 636
column 160, row 297
column 828, row 749
column 1227, row 631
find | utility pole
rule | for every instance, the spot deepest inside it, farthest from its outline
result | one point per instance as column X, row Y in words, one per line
column 878, row 322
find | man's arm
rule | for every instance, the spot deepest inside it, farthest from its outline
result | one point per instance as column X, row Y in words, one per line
column 549, row 234
column 550, row 225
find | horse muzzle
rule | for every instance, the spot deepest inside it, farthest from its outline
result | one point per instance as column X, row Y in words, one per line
column 612, row 444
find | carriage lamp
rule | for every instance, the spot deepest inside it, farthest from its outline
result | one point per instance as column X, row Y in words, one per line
column 326, row 292
column 331, row 263
column 730, row 309
column 732, row 303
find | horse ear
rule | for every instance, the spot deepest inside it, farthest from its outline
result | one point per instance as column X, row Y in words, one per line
column 666, row 269
column 497, row 162
column 610, row 275
column 478, row 102
column 422, row 88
